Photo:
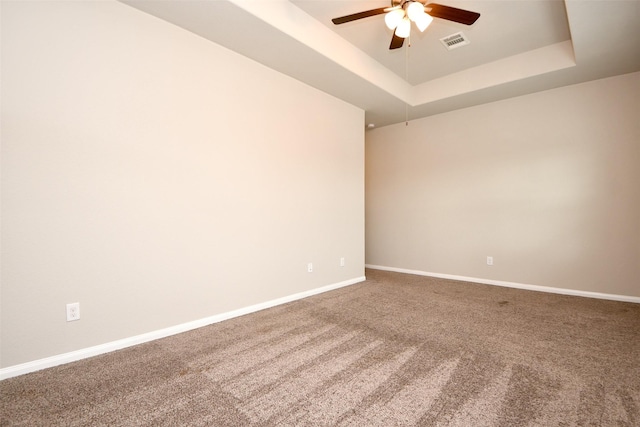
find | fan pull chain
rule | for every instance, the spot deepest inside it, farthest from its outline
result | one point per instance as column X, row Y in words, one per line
column 406, row 114
column 406, row 77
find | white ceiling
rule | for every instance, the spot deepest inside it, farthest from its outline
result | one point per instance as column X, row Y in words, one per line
column 517, row 47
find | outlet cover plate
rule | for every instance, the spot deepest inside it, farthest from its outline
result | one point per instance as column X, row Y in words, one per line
column 73, row 311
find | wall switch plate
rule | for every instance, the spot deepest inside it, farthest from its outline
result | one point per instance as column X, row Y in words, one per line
column 489, row 260
column 342, row 262
column 73, row 311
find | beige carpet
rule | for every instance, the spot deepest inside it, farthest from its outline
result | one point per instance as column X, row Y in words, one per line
column 396, row 350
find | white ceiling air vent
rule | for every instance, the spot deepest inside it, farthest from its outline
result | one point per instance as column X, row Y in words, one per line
column 455, row 40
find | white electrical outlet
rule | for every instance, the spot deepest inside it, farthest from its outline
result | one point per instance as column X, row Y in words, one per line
column 73, row 311
column 310, row 267
column 489, row 260
column 342, row 262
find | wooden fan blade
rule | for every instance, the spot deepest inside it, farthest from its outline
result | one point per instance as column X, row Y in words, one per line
column 359, row 15
column 451, row 13
column 396, row 42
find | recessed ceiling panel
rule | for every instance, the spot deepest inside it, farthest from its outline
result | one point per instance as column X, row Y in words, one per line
column 505, row 28
column 515, row 48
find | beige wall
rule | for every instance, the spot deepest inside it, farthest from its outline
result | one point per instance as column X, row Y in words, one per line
column 158, row 178
column 548, row 184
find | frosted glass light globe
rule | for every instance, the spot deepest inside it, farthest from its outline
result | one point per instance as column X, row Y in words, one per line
column 414, row 10
column 423, row 22
column 404, row 28
column 393, row 18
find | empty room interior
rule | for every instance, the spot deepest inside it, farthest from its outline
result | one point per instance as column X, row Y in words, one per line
column 240, row 212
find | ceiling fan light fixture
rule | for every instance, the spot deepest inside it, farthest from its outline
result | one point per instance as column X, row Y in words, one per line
column 393, row 18
column 423, row 22
column 404, row 28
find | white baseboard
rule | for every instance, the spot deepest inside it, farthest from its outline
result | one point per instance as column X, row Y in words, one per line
column 563, row 291
column 36, row 365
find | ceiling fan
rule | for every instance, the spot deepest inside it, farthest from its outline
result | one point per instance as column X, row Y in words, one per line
column 402, row 12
